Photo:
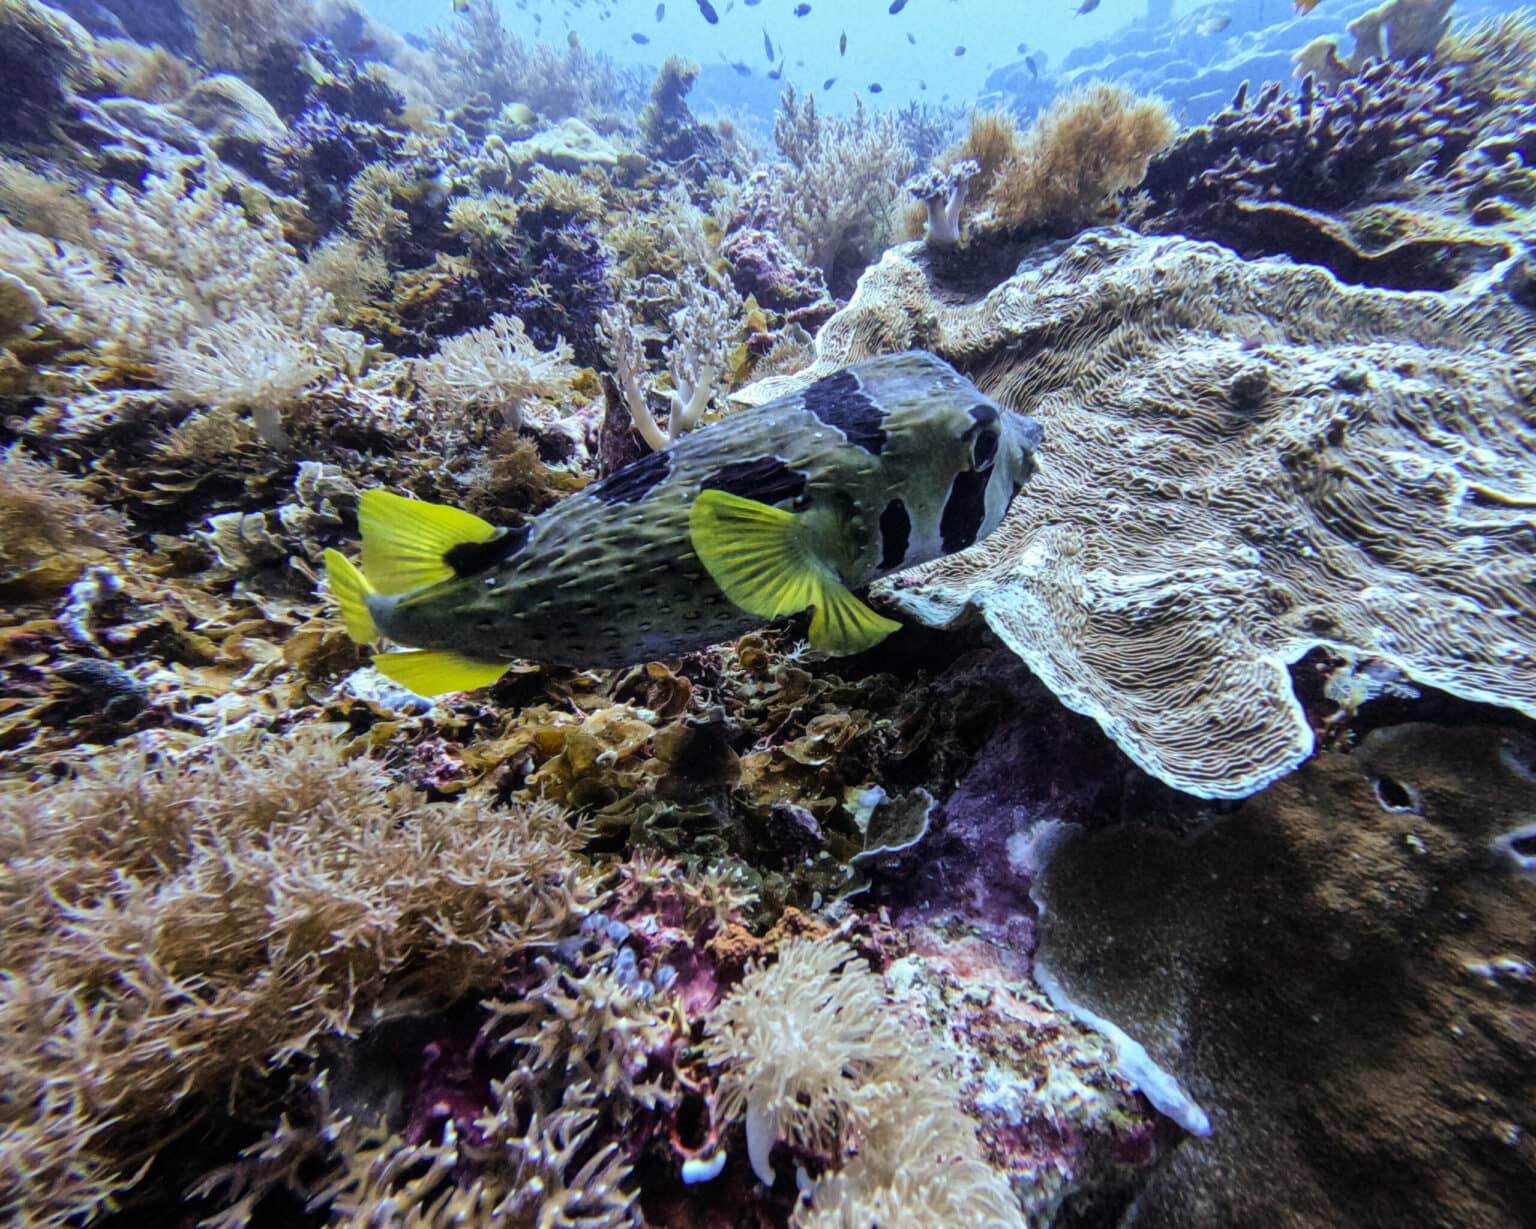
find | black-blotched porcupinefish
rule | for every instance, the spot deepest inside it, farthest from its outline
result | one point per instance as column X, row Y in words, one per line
column 773, row 510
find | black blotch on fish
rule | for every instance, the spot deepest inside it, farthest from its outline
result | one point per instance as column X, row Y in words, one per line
column 964, row 510
column 875, row 87
column 840, row 403
column 802, row 9
column 982, row 415
column 469, row 558
column 708, row 10
column 897, row 6
column 635, row 480
column 765, row 479
column 959, row 50
column 895, row 534
column 640, row 38
column 829, row 83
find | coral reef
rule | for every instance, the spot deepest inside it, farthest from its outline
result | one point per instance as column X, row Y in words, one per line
column 753, row 936
column 1339, row 971
column 189, row 923
column 1219, row 462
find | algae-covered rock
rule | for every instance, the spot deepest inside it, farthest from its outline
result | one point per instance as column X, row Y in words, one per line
column 1340, row 974
column 569, row 146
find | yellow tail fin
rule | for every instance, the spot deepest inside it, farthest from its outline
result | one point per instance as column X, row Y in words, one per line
column 351, row 589
column 753, row 551
column 429, row 672
column 406, row 541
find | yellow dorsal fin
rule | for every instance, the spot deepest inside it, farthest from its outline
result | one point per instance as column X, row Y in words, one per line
column 351, row 589
column 429, row 672
column 843, row 624
column 755, row 553
column 405, row 541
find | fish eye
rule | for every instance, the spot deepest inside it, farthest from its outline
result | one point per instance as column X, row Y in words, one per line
column 984, row 450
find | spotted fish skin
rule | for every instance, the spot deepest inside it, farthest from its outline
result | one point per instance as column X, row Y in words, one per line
column 893, row 462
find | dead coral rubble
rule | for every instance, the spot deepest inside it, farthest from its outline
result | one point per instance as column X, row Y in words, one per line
column 1244, row 460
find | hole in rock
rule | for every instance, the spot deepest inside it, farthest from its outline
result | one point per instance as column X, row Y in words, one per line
column 1393, row 795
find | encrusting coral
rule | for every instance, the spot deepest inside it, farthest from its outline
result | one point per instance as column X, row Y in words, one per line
column 1212, row 478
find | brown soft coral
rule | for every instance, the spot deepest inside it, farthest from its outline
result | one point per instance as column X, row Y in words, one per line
column 1086, row 147
column 50, row 528
column 174, row 927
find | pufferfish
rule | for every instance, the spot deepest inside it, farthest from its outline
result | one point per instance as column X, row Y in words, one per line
column 774, row 510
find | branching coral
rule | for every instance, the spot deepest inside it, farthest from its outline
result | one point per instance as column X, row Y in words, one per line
column 697, row 357
column 477, row 54
column 836, row 200
column 496, row 370
column 173, row 927
column 177, row 277
column 1319, row 149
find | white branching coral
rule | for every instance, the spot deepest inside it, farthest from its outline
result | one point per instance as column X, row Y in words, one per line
column 698, row 355
column 840, row 190
column 811, row 1050
column 247, row 363
column 496, row 369
column 216, row 301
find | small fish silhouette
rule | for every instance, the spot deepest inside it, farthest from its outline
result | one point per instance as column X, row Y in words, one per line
column 875, row 87
column 897, row 6
column 1087, row 6
column 1029, row 63
column 829, row 83
column 959, row 50
column 842, row 43
column 802, row 9
column 767, row 44
column 708, row 10
column 661, row 11
column 640, row 38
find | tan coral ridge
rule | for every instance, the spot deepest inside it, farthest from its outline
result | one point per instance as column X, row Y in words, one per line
column 1243, row 460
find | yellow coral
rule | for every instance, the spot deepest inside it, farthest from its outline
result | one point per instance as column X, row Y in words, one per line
column 1087, row 146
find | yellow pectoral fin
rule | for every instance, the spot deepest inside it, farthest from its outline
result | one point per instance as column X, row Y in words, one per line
column 431, row 673
column 405, row 541
column 752, row 552
column 842, row 624
column 351, row 589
